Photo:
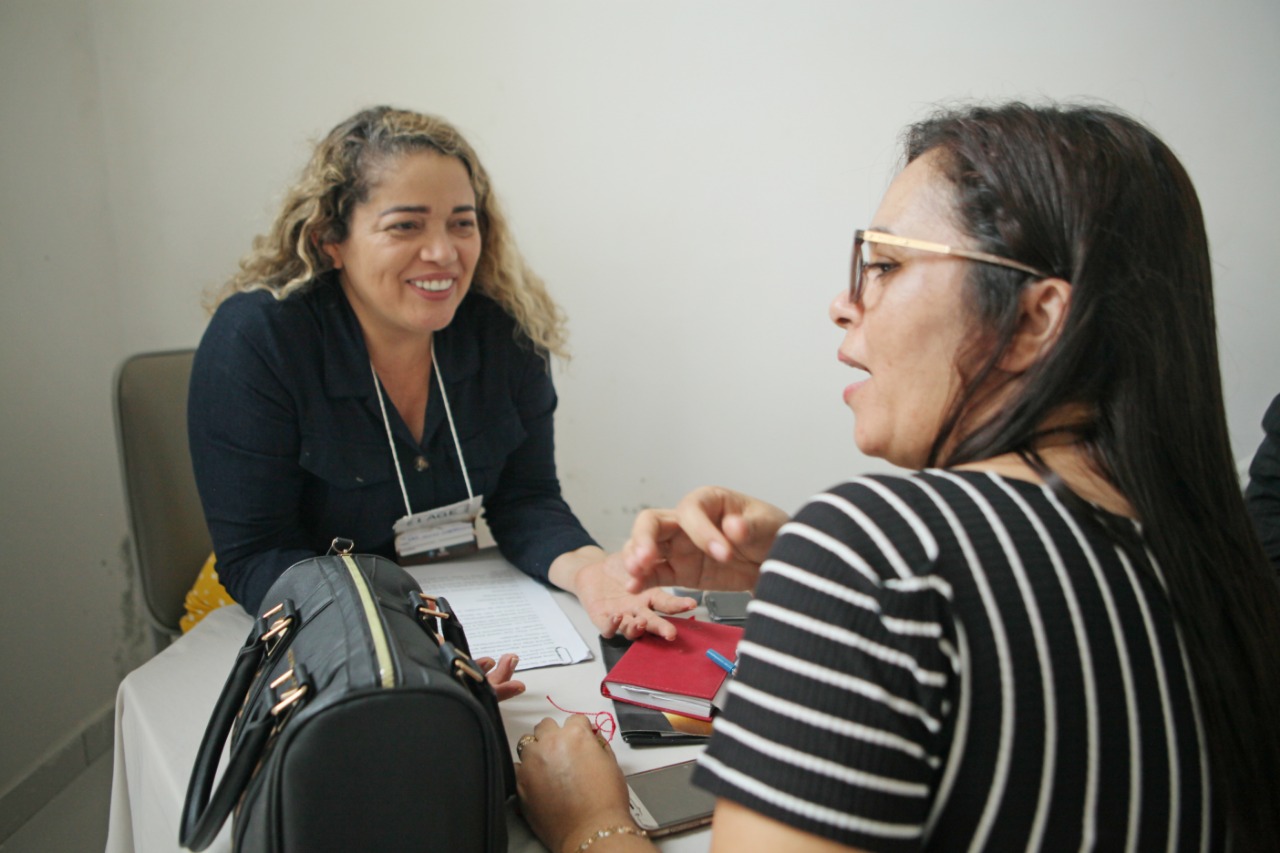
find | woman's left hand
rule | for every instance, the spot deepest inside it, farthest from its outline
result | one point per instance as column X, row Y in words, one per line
column 602, row 589
column 569, row 782
column 499, row 673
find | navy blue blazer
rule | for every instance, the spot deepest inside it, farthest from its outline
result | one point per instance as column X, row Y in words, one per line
column 1263, row 493
column 290, row 450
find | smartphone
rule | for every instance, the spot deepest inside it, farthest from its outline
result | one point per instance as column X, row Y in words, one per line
column 728, row 607
column 665, row 800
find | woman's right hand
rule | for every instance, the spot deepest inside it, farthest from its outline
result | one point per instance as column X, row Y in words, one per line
column 570, row 784
column 715, row 538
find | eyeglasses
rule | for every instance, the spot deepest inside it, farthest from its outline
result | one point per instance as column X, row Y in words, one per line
column 857, row 278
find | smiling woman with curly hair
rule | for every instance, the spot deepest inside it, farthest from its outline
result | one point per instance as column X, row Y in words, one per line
column 382, row 355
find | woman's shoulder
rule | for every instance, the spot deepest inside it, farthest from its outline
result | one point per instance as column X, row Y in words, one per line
column 910, row 535
column 254, row 331
column 917, row 507
column 899, row 493
column 259, row 316
column 876, row 537
column 952, row 516
column 889, row 515
column 262, row 307
column 933, row 486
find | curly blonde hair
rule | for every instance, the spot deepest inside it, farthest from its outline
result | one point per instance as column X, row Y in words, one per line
column 340, row 175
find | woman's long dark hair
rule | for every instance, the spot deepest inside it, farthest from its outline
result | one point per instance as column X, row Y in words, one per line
column 1095, row 198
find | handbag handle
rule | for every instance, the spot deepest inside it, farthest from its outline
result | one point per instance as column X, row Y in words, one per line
column 203, row 815
column 461, row 666
column 441, row 623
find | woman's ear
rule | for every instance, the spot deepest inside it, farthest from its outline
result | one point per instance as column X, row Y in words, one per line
column 334, row 253
column 1043, row 313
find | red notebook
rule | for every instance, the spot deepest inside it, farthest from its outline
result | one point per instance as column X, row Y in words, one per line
column 674, row 676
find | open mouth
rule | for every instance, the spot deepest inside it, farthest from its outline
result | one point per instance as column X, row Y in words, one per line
column 848, row 362
column 437, row 285
column 858, row 382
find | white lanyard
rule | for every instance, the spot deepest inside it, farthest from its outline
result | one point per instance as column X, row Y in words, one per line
column 377, row 389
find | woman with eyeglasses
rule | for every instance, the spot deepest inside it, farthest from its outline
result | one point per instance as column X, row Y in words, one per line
column 1060, row 631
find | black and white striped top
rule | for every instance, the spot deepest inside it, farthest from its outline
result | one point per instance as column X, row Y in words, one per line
column 953, row 661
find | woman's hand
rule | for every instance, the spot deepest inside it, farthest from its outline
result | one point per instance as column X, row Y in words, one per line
column 569, row 783
column 600, row 582
column 714, row 539
column 499, row 673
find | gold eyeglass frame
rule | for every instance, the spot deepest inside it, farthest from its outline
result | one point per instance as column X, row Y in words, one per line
column 856, row 275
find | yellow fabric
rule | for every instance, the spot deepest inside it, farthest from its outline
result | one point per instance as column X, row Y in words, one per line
column 206, row 595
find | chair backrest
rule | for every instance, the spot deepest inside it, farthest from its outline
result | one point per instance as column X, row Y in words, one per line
column 166, row 521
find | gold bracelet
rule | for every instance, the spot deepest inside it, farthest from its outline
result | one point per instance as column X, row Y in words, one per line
column 605, row 833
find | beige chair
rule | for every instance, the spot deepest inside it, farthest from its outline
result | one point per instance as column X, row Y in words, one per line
column 166, row 523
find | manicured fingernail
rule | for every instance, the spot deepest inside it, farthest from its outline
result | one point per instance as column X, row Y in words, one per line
column 719, row 551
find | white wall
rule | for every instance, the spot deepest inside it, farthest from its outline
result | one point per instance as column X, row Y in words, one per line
column 68, row 625
column 686, row 176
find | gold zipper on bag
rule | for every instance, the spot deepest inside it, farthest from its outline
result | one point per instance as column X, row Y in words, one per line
column 386, row 669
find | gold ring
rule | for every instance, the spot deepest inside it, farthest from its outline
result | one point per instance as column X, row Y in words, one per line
column 524, row 741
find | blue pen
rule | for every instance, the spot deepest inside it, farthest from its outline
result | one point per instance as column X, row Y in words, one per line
column 722, row 661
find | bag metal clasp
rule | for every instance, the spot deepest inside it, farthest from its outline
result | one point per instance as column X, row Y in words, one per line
column 299, row 685
column 271, row 630
column 459, row 663
column 428, row 608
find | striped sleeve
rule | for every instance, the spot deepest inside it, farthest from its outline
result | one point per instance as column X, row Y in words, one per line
column 953, row 660
column 847, row 676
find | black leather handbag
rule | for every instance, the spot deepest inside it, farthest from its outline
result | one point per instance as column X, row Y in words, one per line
column 360, row 723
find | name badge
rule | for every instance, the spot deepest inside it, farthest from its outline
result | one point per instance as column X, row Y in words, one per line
column 446, row 531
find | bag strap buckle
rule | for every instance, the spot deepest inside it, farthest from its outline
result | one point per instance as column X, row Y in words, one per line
column 459, row 664
column 296, row 682
column 272, row 630
column 448, row 629
column 428, row 607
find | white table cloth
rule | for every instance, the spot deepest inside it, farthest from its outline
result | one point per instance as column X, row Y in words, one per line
column 162, row 709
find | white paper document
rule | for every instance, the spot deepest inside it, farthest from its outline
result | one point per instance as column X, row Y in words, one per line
column 504, row 610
